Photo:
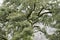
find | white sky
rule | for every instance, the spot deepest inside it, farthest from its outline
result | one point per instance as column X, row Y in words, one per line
column 1, row 1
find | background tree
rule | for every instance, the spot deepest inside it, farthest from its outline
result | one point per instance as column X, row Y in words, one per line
column 19, row 16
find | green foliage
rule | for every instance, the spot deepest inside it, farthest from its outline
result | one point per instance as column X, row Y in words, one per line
column 19, row 16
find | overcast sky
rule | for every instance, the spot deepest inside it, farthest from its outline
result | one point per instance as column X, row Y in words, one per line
column 1, row 1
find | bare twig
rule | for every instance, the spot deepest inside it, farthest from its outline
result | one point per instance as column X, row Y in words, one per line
column 40, row 16
column 40, row 11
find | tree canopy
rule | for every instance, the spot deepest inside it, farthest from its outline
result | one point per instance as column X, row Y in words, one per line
column 17, row 18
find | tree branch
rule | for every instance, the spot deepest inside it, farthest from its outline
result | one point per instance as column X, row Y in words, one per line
column 40, row 16
column 31, row 11
column 40, row 11
column 39, row 30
